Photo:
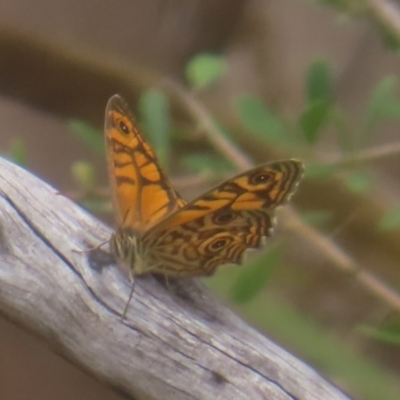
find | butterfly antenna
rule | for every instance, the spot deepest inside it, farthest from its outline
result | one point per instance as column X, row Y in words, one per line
column 125, row 217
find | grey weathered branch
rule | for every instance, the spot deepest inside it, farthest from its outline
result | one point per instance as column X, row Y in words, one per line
column 177, row 343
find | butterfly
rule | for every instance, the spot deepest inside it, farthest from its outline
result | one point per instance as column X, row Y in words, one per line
column 159, row 232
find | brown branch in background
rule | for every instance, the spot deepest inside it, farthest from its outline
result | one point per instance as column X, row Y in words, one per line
column 368, row 155
column 85, row 79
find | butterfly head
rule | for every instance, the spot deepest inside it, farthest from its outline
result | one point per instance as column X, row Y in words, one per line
column 126, row 248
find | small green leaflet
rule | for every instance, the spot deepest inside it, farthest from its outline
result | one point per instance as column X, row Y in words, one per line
column 84, row 175
column 256, row 117
column 17, row 152
column 204, row 69
column 391, row 220
column 318, row 82
column 156, row 122
column 90, row 136
column 255, row 274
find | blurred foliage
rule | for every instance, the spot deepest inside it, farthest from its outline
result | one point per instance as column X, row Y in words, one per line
column 319, row 99
column 347, row 7
column 383, row 105
column 83, row 174
column 358, row 182
column 17, row 152
column 260, row 121
column 156, row 121
column 391, row 220
column 90, row 136
column 319, row 82
column 385, row 335
column 318, row 219
column 206, row 162
column 381, row 11
column 319, row 171
column 204, row 69
column 255, row 276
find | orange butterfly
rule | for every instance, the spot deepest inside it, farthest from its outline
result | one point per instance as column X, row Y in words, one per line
column 157, row 231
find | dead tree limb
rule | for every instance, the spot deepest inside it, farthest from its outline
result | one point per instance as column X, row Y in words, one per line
column 175, row 344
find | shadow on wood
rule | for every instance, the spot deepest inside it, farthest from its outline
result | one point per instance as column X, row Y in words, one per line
column 174, row 344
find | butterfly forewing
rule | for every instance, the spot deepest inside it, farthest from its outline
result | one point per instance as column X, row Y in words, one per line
column 264, row 187
column 142, row 194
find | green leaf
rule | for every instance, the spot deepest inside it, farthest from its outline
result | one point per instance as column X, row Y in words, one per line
column 90, row 136
column 200, row 162
column 340, row 124
column 83, row 174
column 319, row 171
column 204, row 69
column 95, row 205
column 156, row 121
column 342, row 5
column 382, row 335
column 383, row 103
column 318, row 219
column 358, row 182
column 314, row 118
column 258, row 119
column 318, row 82
column 17, row 152
column 389, row 37
column 391, row 220
column 255, row 275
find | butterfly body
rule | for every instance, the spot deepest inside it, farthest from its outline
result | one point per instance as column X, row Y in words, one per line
column 158, row 232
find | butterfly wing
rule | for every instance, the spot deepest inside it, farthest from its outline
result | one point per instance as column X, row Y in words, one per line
column 141, row 192
column 220, row 225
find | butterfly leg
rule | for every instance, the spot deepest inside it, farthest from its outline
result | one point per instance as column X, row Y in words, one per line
column 132, row 279
column 167, row 284
column 91, row 248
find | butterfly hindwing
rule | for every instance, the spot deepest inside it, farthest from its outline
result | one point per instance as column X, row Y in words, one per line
column 220, row 225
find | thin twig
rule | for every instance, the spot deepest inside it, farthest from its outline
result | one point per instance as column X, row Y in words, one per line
column 293, row 223
column 388, row 13
column 207, row 125
column 185, row 182
column 369, row 155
